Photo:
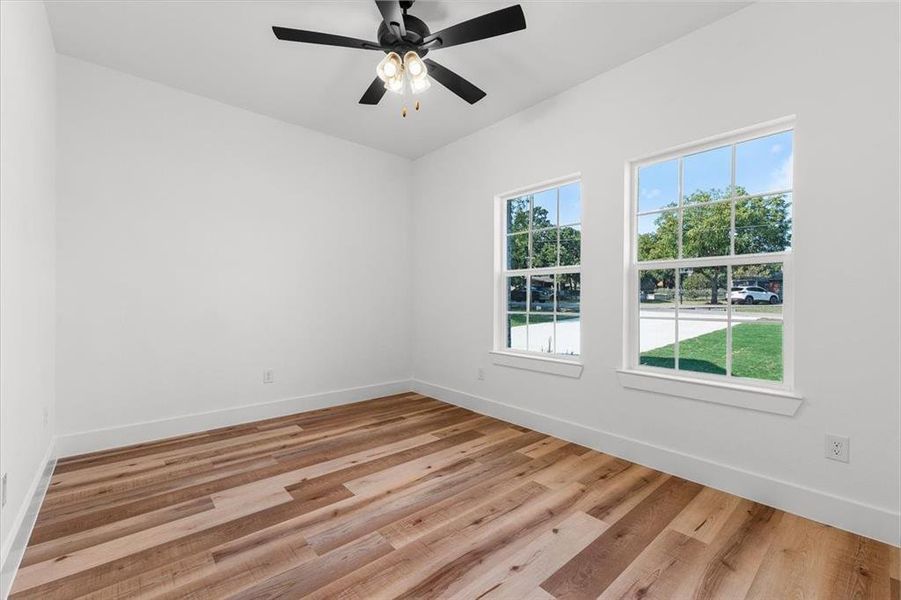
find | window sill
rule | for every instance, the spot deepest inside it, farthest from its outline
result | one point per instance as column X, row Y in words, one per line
column 540, row 364
column 768, row 400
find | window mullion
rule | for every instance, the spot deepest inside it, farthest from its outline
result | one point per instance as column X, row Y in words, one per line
column 729, row 321
column 529, row 245
column 677, row 273
column 676, row 302
column 681, row 208
column 732, row 194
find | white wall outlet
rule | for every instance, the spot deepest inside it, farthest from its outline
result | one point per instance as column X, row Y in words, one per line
column 46, row 416
column 3, row 486
column 480, row 374
column 838, row 447
column 268, row 376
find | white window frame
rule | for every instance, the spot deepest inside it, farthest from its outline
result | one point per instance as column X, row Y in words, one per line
column 559, row 364
column 631, row 364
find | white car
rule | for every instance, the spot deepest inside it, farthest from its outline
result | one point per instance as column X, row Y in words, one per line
column 752, row 295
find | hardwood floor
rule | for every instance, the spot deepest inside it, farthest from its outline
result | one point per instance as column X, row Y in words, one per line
column 407, row 497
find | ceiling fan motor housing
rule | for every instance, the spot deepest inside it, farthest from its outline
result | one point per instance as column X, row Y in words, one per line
column 417, row 30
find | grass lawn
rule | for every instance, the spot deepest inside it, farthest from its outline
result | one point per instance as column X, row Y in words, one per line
column 756, row 352
column 517, row 320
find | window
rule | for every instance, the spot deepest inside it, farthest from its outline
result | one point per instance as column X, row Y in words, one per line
column 711, row 234
column 540, row 278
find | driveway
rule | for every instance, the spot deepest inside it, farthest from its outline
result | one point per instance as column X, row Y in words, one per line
column 658, row 326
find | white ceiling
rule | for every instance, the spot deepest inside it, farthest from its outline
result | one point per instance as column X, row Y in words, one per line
column 226, row 50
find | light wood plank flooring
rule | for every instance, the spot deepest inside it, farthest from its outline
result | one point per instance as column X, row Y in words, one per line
column 408, row 497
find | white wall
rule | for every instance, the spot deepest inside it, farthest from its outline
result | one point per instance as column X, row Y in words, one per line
column 27, row 257
column 835, row 66
column 199, row 244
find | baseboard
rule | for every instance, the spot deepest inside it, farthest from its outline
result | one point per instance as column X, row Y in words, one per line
column 135, row 433
column 844, row 513
column 14, row 546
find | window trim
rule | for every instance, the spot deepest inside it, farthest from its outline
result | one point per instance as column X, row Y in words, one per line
column 631, row 290
column 499, row 346
column 775, row 401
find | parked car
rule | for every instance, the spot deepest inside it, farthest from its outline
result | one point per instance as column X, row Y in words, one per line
column 540, row 295
column 752, row 295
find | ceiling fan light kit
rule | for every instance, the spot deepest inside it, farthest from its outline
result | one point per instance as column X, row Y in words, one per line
column 406, row 40
column 391, row 72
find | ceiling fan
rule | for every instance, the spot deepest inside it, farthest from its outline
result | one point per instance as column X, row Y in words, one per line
column 406, row 40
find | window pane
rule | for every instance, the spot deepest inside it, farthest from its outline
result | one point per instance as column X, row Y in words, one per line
column 703, row 314
column 657, row 293
column 658, row 186
column 703, row 293
column 705, row 230
column 518, row 214
column 516, row 332
column 570, row 204
column 542, row 293
column 764, row 165
column 656, row 342
column 658, row 235
column 568, row 335
column 544, row 209
column 516, row 294
column 541, row 333
column 518, row 251
column 763, row 224
column 544, row 248
column 569, row 290
column 757, row 292
column 707, row 174
column 702, row 345
column 657, row 317
column 570, row 245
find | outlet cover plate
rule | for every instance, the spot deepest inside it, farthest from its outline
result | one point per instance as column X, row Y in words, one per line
column 838, row 447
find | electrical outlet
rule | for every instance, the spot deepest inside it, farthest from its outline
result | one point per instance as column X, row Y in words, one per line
column 268, row 376
column 838, row 447
column 480, row 374
column 46, row 416
column 3, row 491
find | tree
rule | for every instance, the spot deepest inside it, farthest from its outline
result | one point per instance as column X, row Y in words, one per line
column 544, row 241
column 761, row 225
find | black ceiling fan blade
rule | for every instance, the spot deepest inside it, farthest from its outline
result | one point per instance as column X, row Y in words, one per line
column 454, row 82
column 499, row 22
column 374, row 92
column 393, row 16
column 327, row 39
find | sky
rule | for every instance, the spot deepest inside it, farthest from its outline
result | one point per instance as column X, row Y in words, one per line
column 570, row 207
column 761, row 165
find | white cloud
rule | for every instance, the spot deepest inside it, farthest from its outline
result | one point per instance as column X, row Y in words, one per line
column 781, row 179
column 775, row 148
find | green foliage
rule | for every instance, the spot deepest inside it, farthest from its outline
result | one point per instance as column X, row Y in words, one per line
column 761, row 271
column 544, row 238
column 761, row 225
column 657, row 279
column 703, row 284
